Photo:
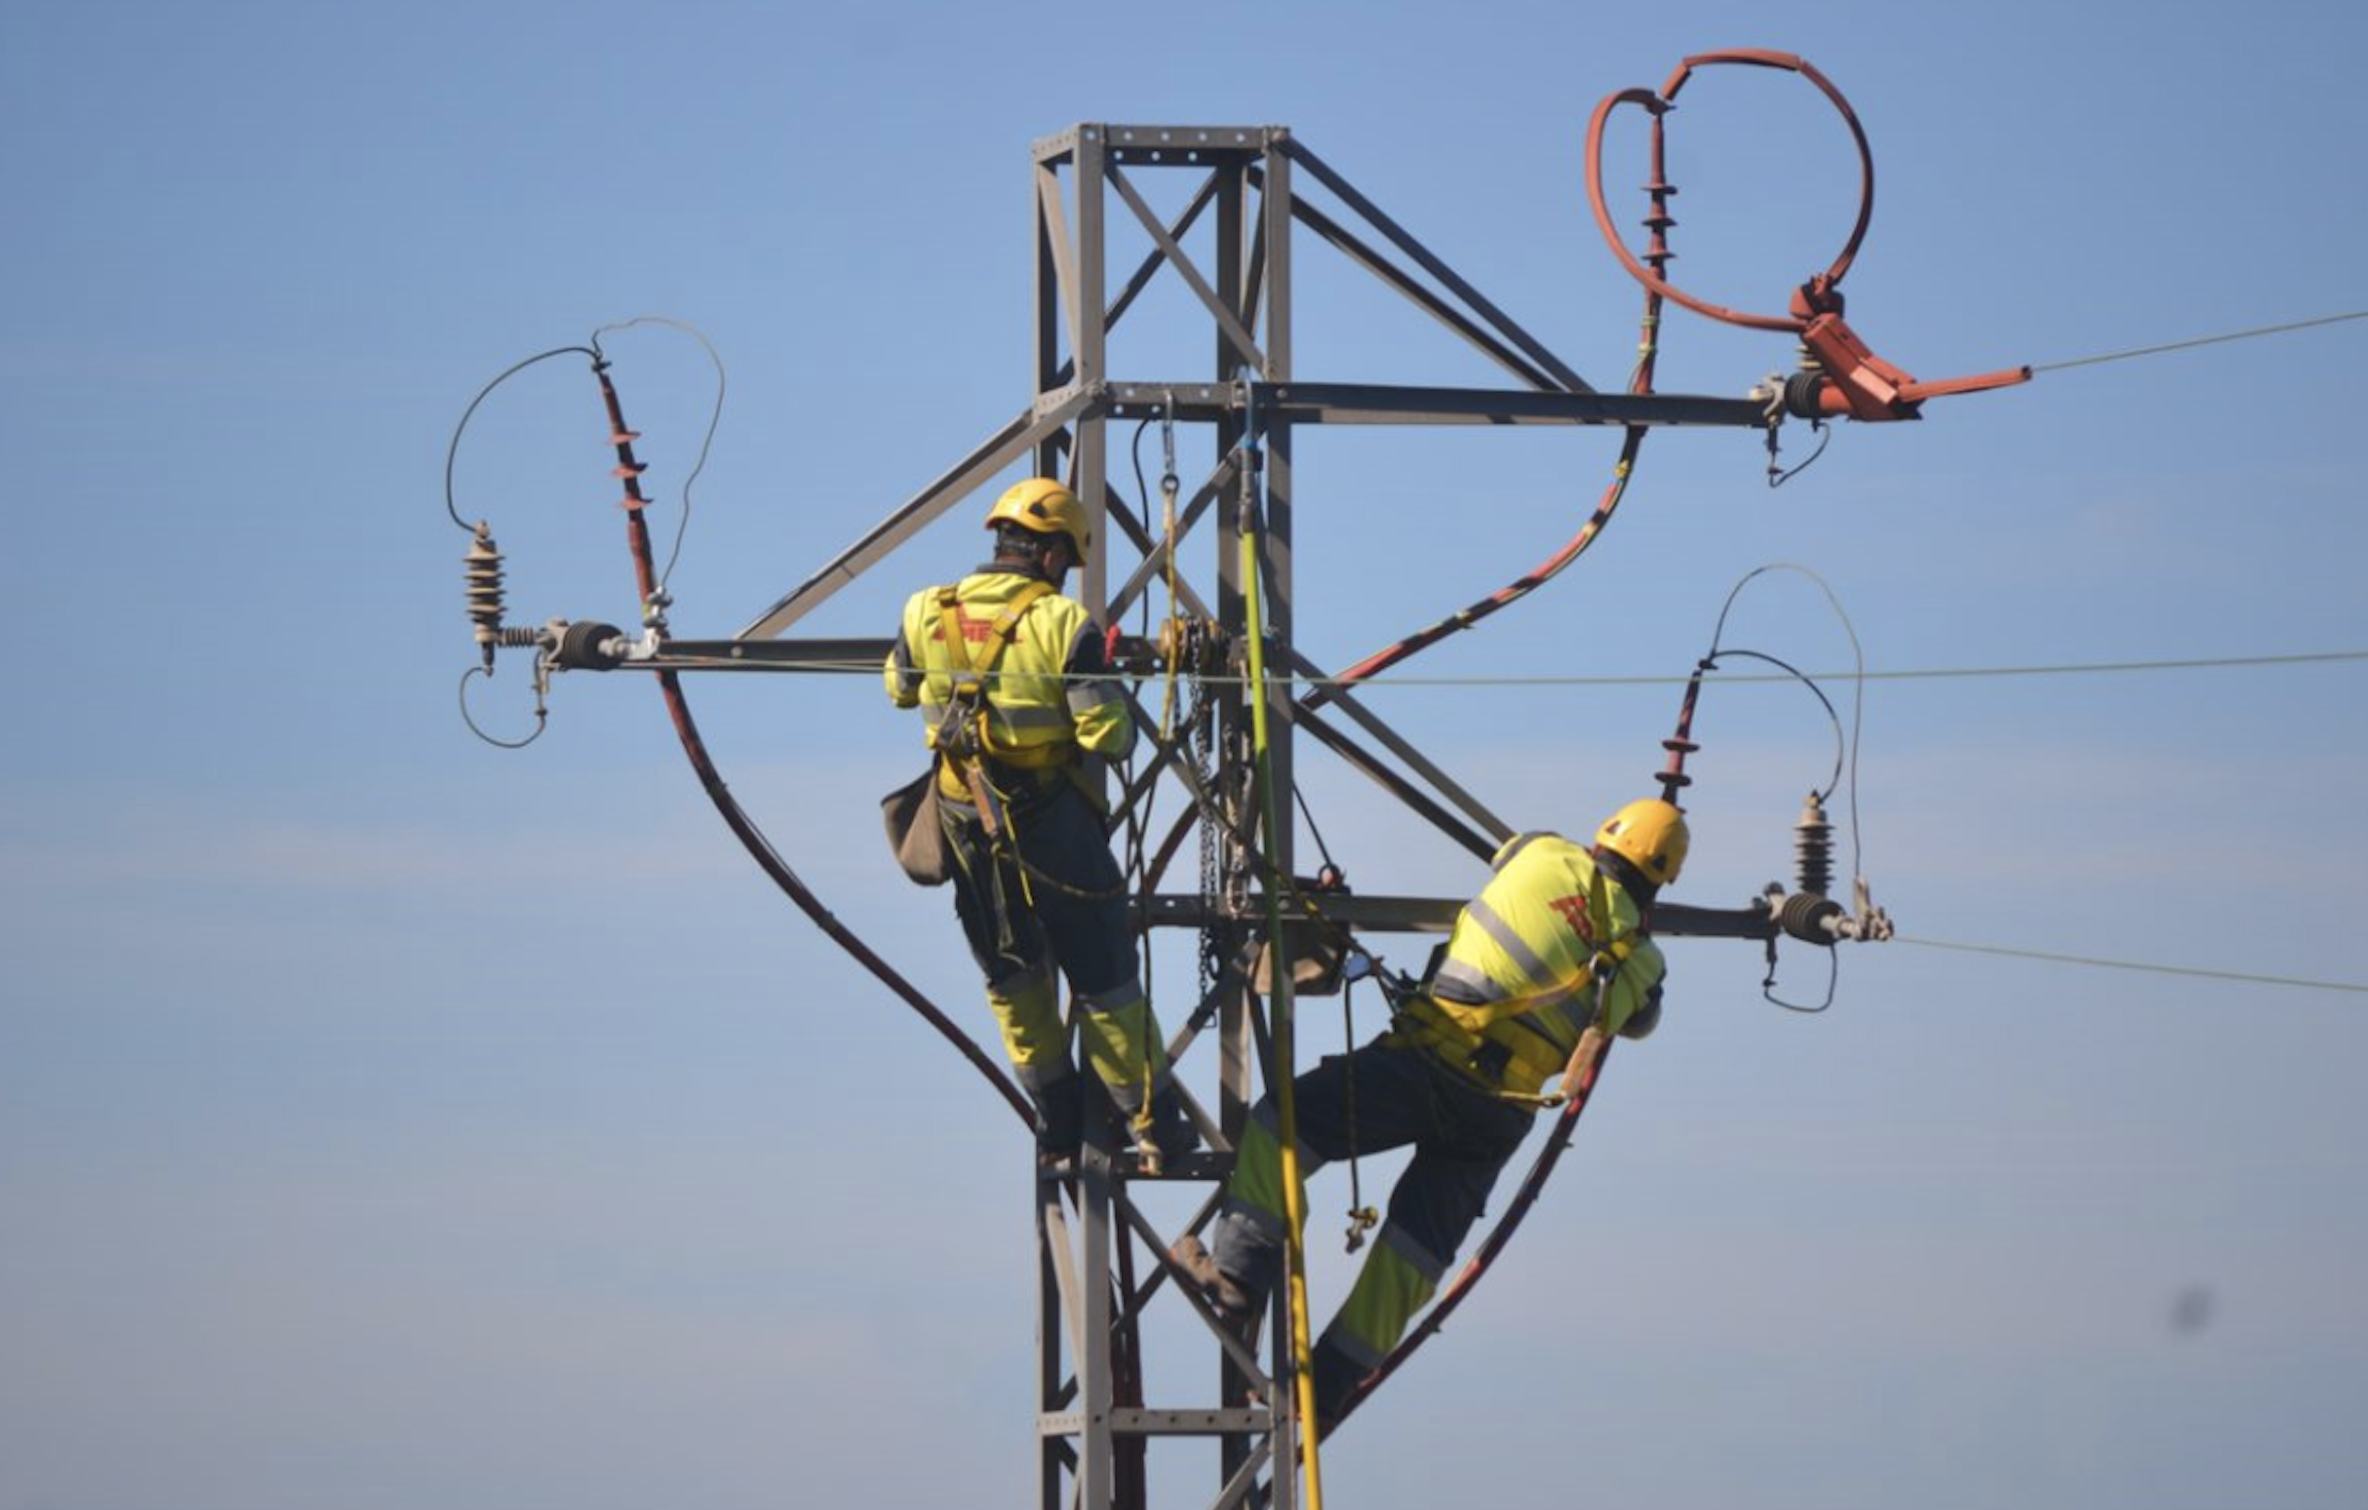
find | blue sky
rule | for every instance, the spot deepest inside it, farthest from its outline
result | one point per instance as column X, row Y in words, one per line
column 389, row 1120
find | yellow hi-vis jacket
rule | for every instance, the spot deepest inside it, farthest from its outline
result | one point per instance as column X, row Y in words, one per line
column 1519, row 981
column 1045, row 696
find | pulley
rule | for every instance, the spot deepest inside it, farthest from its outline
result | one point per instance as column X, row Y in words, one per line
column 1192, row 647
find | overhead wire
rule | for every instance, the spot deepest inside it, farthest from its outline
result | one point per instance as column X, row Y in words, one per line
column 2189, row 345
column 1647, row 679
column 1668, row 679
column 2048, row 957
column 1859, row 675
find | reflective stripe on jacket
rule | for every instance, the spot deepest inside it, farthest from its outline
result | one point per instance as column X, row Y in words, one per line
column 1518, row 983
column 1047, row 696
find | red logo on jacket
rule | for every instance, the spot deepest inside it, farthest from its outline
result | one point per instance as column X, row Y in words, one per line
column 1574, row 912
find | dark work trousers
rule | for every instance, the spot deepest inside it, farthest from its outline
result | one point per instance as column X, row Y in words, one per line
column 1086, row 936
column 1383, row 1096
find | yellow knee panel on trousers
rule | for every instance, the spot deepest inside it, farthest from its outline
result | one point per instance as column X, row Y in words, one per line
column 1121, row 1041
column 1390, row 1289
column 1029, row 1013
column 1258, row 1172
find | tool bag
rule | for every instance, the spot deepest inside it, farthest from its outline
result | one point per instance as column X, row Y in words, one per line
column 914, row 833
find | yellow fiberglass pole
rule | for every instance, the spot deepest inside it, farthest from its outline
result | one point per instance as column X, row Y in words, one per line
column 1294, row 1191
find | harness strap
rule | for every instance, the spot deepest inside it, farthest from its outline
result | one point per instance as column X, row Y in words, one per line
column 969, row 674
column 1481, row 1054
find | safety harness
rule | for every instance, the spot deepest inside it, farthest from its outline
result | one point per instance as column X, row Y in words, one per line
column 965, row 734
column 1486, row 1052
column 965, row 739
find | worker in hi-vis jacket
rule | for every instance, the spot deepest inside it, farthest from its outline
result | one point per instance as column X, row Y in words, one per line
column 1555, row 947
column 1010, row 678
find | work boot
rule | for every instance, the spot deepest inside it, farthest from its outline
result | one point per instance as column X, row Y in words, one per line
column 1233, row 1304
column 1060, row 1118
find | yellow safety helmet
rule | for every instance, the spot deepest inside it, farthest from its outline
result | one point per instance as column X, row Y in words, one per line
column 1043, row 505
column 1649, row 834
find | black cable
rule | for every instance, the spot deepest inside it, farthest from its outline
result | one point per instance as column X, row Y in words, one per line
column 1142, row 493
column 1833, row 980
column 1778, row 477
column 1835, row 718
column 1845, row 749
column 452, row 452
column 541, row 716
column 1858, row 679
column 452, row 507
